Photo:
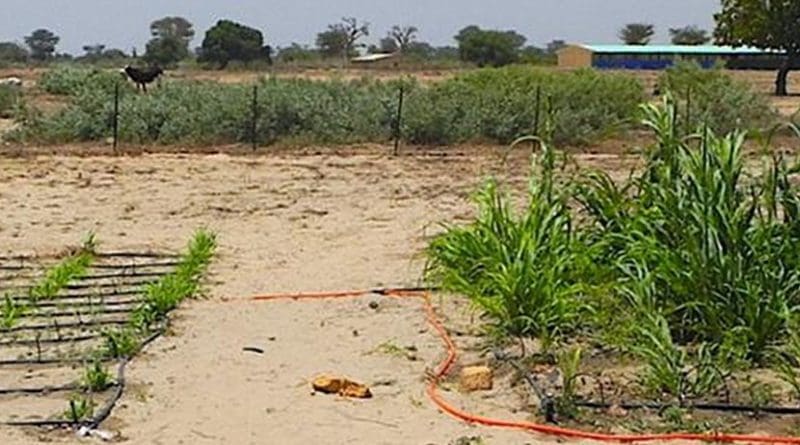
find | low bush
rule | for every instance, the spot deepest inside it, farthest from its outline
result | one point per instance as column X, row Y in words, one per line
column 496, row 105
column 712, row 97
column 9, row 99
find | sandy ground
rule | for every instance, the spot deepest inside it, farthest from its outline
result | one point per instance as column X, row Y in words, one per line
column 285, row 223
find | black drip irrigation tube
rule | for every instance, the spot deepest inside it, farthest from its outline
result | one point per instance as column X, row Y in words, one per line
column 547, row 404
column 101, row 414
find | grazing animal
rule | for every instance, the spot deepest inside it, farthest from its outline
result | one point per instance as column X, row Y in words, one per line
column 142, row 77
column 14, row 82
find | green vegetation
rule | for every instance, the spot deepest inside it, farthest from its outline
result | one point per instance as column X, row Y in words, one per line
column 9, row 100
column 78, row 82
column 164, row 295
column 62, row 274
column 10, row 312
column 768, row 25
column 230, row 41
column 96, row 377
column 80, row 408
column 689, row 265
column 493, row 105
column 711, row 97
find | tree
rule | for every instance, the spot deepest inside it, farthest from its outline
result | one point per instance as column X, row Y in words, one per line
column 341, row 39
column 42, row 43
column 98, row 52
column 689, row 35
column 555, row 45
column 637, row 33
column 229, row 41
column 403, row 36
column 296, row 53
column 13, row 52
column 387, row 45
column 173, row 27
column 771, row 25
column 170, row 40
column 489, row 47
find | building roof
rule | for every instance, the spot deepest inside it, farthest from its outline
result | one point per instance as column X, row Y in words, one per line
column 675, row 49
column 372, row 57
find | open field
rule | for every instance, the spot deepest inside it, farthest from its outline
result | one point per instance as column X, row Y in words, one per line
column 325, row 214
column 285, row 223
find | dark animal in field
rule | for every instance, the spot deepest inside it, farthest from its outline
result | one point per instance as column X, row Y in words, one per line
column 142, row 77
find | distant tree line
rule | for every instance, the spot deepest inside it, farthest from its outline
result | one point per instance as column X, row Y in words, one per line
column 228, row 41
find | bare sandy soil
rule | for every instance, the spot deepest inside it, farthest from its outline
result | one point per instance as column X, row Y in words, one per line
column 285, row 223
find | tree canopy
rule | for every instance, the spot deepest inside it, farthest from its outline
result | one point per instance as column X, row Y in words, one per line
column 42, row 43
column 341, row 39
column 771, row 24
column 229, row 41
column 489, row 47
column 13, row 52
column 170, row 40
column 637, row 33
column 689, row 35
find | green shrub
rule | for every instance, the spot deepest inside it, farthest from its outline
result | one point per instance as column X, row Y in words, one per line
column 492, row 105
column 712, row 97
column 517, row 269
column 9, row 98
column 501, row 105
column 72, row 81
column 691, row 240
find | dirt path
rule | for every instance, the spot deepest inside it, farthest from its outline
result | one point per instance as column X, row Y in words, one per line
column 284, row 224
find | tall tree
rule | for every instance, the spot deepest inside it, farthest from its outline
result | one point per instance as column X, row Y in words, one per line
column 770, row 24
column 403, row 36
column 341, row 39
column 637, row 33
column 489, row 47
column 170, row 40
column 689, row 35
column 13, row 52
column 42, row 43
column 230, row 41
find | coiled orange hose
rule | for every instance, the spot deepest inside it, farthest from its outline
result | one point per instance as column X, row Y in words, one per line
column 446, row 365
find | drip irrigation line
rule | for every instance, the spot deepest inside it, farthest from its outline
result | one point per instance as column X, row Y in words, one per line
column 103, row 311
column 82, row 286
column 46, row 341
column 88, row 296
column 147, row 254
column 446, row 365
column 155, row 275
column 104, row 412
column 722, row 407
column 48, row 361
column 41, row 390
column 135, row 265
column 82, row 302
column 42, row 327
column 656, row 406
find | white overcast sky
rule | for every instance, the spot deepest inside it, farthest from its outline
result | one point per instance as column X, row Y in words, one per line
column 124, row 23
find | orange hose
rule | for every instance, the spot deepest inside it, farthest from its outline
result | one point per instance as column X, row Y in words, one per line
column 446, row 365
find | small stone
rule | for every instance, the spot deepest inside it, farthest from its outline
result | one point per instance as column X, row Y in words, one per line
column 476, row 378
column 374, row 305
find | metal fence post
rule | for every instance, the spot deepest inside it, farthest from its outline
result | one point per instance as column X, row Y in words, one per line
column 254, row 123
column 398, row 122
column 537, row 110
column 116, row 115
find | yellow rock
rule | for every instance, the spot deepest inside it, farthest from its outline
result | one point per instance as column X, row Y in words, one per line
column 476, row 378
column 340, row 385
